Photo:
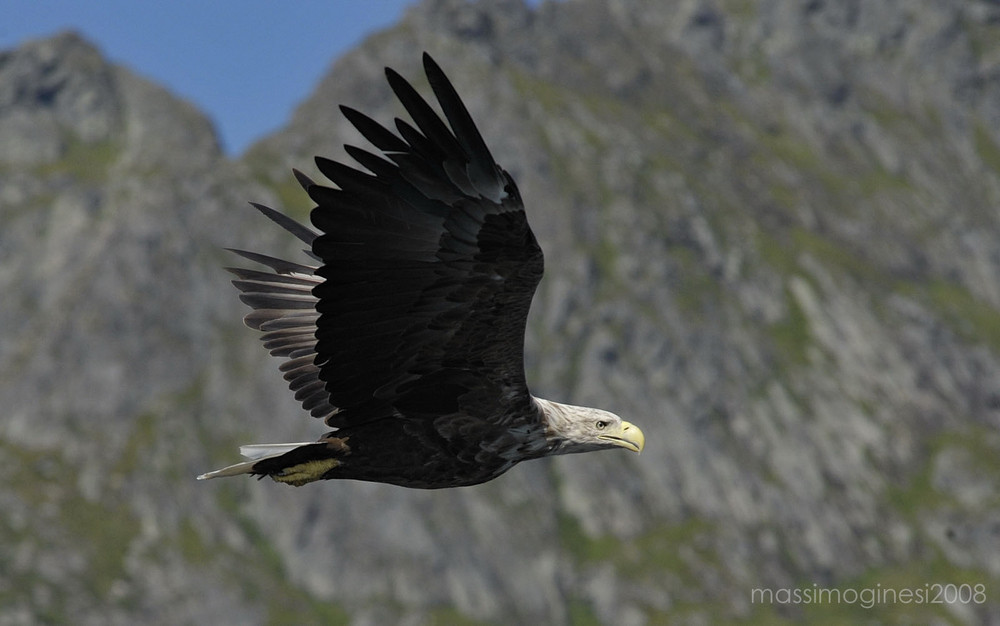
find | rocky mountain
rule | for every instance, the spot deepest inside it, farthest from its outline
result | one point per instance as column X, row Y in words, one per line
column 771, row 233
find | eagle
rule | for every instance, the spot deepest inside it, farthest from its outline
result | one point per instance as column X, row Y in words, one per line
column 404, row 330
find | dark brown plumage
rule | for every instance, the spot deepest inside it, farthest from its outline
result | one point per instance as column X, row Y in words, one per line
column 408, row 338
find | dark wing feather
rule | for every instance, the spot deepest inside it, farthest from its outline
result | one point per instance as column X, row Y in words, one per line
column 284, row 309
column 481, row 169
column 417, row 313
column 374, row 132
column 429, row 268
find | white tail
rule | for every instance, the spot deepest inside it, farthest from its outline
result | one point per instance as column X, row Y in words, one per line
column 255, row 452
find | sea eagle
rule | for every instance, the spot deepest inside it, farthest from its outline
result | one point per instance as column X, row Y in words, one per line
column 407, row 338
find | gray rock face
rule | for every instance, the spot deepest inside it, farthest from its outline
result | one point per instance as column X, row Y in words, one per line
column 771, row 240
column 51, row 93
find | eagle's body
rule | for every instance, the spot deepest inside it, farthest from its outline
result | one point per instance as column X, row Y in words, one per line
column 408, row 337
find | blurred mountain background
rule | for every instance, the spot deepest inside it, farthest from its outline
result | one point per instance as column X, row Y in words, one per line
column 772, row 236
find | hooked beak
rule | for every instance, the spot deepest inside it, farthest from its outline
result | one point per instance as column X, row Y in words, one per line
column 629, row 436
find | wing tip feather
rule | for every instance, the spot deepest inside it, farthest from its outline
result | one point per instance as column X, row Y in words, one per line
column 304, row 181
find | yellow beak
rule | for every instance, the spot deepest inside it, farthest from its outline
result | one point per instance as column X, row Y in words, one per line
column 629, row 436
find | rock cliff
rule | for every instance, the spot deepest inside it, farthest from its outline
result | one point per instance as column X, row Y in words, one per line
column 771, row 233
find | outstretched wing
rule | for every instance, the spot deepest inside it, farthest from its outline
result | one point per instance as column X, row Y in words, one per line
column 428, row 270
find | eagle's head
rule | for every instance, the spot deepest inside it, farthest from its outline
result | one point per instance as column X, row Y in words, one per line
column 583, row 429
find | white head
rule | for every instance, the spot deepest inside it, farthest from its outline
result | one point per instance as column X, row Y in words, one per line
column 583, row 429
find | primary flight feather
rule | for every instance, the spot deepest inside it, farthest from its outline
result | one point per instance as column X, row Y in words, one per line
column 407, row 338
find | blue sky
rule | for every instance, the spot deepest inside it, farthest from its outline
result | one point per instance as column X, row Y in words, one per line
column 245, row 63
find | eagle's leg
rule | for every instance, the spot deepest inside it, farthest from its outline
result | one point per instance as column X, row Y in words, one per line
column 298, row 475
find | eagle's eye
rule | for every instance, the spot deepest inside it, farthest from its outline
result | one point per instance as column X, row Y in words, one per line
column 601, row 424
